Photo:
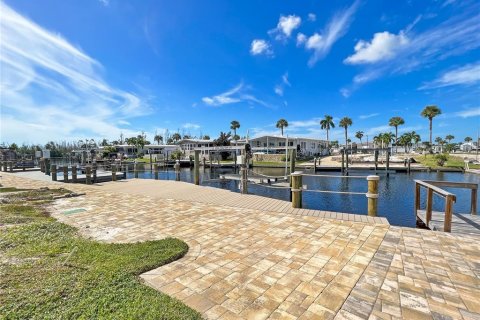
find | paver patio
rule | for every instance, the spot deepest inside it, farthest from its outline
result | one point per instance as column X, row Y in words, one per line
column 252, row 264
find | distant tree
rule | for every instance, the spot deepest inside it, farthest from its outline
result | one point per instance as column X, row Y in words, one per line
column 334, row 143
column 13, row 146
column 395, row 122
column 223, row 139
column 449, row 138
column 345, row 122
column 468, row 139
column 206, row 137
column 326, row 124
column 176, row 137
column 405, row 140
column 187, row 136
column 158, row 138
column 104, row 142
column 282, row 123
column 234, row 125
column 236, row 137
column 430, row 112
column 359, row 136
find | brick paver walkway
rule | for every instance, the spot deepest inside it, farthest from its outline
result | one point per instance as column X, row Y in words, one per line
column 251, row 264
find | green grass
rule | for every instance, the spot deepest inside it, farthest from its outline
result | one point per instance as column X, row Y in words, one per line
column 452, row 162
column 11, row 189
column 49, row 271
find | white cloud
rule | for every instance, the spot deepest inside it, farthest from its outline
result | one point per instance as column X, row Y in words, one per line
column 383, row 46
column 466, row 75
column 260, row 46
column 301, row 39
column 234, row 95
column 56, row 86
column 388, row 54
column 366, row 116
column 312, row 17
column 189, row 125
column 285, row 79
column 285, row 26
column 280, row 88
column 468, row 113
column 321, row 43
column 105, row 2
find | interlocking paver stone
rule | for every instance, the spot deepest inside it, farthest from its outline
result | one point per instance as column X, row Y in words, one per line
column 250, row 264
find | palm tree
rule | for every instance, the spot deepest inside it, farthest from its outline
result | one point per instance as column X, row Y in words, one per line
column 468, row 139
column 449, row 138
column 359, row 136
column 395, row 122
column 326, row 124
column 387, row 138
column 234, row 125
column 282, row 123
column 345, row 123
column 440, row 142
column 430, row 112
column 158, row 138
column 176, row 137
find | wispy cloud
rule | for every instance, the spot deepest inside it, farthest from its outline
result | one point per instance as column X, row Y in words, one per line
column 48, row 81
column 106, row 3
column 366, row 116
column 280, row 88
column 388, row 53
column 468, row 113
column 189, row 125
column 312, row 17
column 237, row 94
column 321, row 43
column 466, row 75
column 260, row 46
column 285, row 27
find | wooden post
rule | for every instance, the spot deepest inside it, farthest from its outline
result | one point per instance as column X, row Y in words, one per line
column 375, row 155
column 65, row 174
column 150, row 153
column 135, row 170
column 296, row 189
column 388, row 162
column 47, row 167
column 235, row 161
column 114, row 172
column 94, row 173
column 408, row 165
column 372, row 195
column 416, row 206
column 447, row 226
column 155, row 171
column 177, row 170
column 42, row 165
column 196, row 169
column 204, row 163
column 473, row 205
column 74, row 174
column 125, row 171
column 343, row 161
column 243, row 173
column 428, row 210
column 314, row 165
column 346, row 162
column 293, row 156
column 88, row 174
column 11, row 165
column 53, row 170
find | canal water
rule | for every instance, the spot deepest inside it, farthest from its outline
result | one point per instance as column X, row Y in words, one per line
column 396, row 191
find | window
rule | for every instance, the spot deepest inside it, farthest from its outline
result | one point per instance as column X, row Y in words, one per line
column 313, row 145
column 258, row 143
column 290, row 144
column 281, row 144
column 303, row 145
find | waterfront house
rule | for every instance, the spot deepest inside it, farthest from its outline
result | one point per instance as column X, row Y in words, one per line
column 277, row 145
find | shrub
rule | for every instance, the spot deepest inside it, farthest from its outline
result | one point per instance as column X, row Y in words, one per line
column 441, row 159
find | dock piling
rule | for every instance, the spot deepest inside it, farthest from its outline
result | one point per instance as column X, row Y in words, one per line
column 372, row 194
column 135, row 170
column 65, row 174
column 296, row 189
column 196, row 170
column 74, row 173
column 114, row 172
column 88, row 174
column 177, row 170
column 53, row 170
column 155, row 171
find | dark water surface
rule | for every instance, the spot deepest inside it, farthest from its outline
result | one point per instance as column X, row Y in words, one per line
column 396, row 191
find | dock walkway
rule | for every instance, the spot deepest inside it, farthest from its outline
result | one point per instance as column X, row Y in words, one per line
column 461, row 223
column 167, row 189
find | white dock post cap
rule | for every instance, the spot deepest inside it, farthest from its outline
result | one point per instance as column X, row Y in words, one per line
column 296, row 173
column 373, row 178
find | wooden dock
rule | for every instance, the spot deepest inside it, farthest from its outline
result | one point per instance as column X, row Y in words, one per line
column 461, row 223
column 165, row 189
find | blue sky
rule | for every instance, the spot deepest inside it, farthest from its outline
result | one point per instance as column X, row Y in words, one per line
column 91, row 69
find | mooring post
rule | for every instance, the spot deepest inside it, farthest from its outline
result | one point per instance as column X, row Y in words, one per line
column 204, row 163
column 47, row 167
column 135, row 170
column 114, row 172
column 196, row 169
column 314, row 164
column 296, row 189
column 235, row 161
column 177, row 170
column 94, row 172
column 375, row 152
column 473, row 204
column 65, row 174
column 429, row 206
column 293, row 155
column 74, row 174
column 88, row 174
column 53, row 170
column 372, row 195
column 408, row 165
column 155, row 171
column 388, row 163
column 343, row 161
column 447, row 226
column 124, row 171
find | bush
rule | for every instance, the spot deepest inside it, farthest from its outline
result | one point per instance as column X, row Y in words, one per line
column 176, row 155
column 441, row 159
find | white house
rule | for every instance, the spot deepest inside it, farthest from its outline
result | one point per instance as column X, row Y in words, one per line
column 278, row 144
column 468, row 146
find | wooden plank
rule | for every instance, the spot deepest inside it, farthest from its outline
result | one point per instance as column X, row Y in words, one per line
column 461, row 223
column 451, row 184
